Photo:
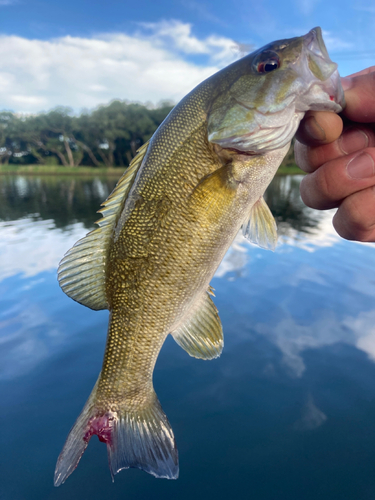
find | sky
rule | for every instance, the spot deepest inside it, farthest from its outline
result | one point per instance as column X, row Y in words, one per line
column 83, row 53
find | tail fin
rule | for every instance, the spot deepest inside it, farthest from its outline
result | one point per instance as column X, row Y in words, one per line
column 136, row 438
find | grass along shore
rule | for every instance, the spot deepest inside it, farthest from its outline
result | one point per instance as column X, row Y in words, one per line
column 96, row 171
column 289, row 170
column 60, row 170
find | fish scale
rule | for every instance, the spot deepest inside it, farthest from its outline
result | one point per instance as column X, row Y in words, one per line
column 166, row 228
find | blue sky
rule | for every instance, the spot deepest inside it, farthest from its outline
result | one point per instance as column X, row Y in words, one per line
column 83, row 53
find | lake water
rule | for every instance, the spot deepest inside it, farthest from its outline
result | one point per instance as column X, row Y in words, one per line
column 286, row 413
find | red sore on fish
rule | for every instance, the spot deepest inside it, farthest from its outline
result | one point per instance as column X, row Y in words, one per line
column 102, row 426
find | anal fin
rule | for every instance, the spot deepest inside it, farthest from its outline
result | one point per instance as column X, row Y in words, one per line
column 201, row 334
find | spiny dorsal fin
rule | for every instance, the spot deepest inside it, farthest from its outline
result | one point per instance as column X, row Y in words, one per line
column 81, row 272
column 260, row 227
column 201, row 335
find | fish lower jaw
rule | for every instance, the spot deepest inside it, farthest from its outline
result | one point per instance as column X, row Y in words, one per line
column 322, row 97
column 326, row 106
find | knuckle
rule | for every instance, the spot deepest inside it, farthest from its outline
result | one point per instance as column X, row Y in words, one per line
column 310, row 158
column 323, row 188
column 306, row 191
column 369, row 133
column 353, row 221
column 301, row 156
column 344, row 227
column 316, row 157
column 354, row 210
column 313, row 190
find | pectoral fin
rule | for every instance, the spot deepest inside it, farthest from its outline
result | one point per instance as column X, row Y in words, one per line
column 260, row 227
column 201, row 335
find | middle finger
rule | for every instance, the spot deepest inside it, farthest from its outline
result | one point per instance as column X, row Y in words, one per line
column 339, row 178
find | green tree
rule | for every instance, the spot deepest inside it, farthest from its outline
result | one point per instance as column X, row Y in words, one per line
column 52, row 132
column 115, row 132
column 109, row 135
column 10, row 139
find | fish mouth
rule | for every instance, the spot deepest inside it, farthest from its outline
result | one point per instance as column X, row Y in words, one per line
column 324, row 91
column 316, row 86
column 314, row 42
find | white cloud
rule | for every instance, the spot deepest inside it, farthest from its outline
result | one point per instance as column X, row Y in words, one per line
column 335, row 44
column 220, row 49
column 150, row 65
column 28, row 100
column 180, row 34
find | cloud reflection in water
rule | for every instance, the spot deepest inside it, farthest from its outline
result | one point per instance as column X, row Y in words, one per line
column 316, row 284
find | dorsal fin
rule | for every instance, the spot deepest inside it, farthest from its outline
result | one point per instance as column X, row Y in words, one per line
column 81, row 272
column 201, row 334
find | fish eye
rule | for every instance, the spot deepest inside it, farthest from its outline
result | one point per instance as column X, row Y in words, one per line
column 267, row 66
column 267, row 62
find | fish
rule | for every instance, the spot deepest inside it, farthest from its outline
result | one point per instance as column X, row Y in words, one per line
column 165, row 229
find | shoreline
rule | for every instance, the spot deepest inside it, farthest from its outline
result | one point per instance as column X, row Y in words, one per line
column 101, row 171
column 73, row 171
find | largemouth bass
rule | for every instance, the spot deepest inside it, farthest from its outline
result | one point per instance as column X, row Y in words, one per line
column 166, row 227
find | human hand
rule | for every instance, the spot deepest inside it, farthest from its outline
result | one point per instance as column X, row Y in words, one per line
column 339, row 157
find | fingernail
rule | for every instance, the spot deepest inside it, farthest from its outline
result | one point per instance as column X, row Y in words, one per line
column 314, row 130
column 346, row 82
column 353, row 140
column 361, row 167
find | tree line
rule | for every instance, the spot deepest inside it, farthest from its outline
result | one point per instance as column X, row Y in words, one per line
column 107, row 136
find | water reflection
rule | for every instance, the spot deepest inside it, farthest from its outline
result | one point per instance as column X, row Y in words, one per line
column 64, row 199
column 296, row 374
column 311, row 416
column 35, row 206
column 44, row 217
column 284, row 200
column 31, row 246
